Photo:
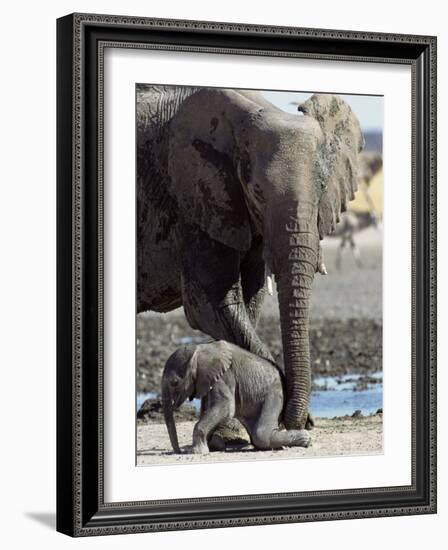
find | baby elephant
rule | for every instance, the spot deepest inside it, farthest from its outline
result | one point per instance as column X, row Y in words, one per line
column 231, row 382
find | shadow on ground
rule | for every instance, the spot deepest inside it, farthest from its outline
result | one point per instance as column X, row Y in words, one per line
column 47, row 519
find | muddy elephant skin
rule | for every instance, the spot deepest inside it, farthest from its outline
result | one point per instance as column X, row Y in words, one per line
column 232, row 383
column 230, row 189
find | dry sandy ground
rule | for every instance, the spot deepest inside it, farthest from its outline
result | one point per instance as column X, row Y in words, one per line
column 336, row 437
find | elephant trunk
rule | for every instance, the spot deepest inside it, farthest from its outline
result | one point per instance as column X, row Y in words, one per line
column 297, row 266
column 169, row 418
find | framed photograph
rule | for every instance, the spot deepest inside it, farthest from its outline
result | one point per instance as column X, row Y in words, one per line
column 246, row 274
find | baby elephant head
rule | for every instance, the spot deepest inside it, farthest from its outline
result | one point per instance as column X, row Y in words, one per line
column 191, row 372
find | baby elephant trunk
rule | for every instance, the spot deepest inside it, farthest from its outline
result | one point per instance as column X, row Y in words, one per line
column 169, row 419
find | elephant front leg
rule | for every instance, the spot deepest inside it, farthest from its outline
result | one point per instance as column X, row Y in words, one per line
column 206, row 424
column 223, row 319
column 239, row 329
column 212, row 292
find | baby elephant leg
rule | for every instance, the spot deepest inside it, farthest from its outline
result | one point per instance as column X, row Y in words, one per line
column 211, row 417
column 289, row 438
column 266, row 433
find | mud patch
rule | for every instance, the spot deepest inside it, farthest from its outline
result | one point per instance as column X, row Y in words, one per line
column 338, row 347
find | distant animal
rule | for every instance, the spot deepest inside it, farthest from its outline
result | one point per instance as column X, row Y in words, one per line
column 369, row 164
column 231, row 383
column 351, row 222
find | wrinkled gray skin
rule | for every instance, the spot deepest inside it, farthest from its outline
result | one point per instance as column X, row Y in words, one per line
column 230, row 189
column 232, row 383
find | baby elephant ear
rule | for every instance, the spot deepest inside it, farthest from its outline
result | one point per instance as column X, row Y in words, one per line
column 209, row 363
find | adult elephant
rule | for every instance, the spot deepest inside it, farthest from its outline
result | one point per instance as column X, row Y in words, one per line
column 229, row 189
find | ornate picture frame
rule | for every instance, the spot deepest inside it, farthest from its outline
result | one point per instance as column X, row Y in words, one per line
column 81, row 506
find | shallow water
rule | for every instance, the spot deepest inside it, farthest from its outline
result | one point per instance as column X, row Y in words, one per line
column 336, row 398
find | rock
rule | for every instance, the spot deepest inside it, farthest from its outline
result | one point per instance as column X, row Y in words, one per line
column 232, row 432
column 152, row 411
column 150, row 408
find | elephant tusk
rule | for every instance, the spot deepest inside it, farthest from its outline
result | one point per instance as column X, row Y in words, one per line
column 270, row 285
column 323, row 269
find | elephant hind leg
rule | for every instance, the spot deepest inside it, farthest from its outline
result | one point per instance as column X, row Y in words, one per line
column 291, row 438
column 276, row 438
column 266, row 433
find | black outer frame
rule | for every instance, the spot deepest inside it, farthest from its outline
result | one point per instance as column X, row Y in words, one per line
column 81, row 510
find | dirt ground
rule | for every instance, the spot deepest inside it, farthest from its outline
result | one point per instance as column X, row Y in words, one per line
column 335, row 437
column 345, row 338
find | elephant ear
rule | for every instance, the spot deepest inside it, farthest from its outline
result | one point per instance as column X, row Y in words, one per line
column 209, row 363
column 337, row 156
column 203, row 176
